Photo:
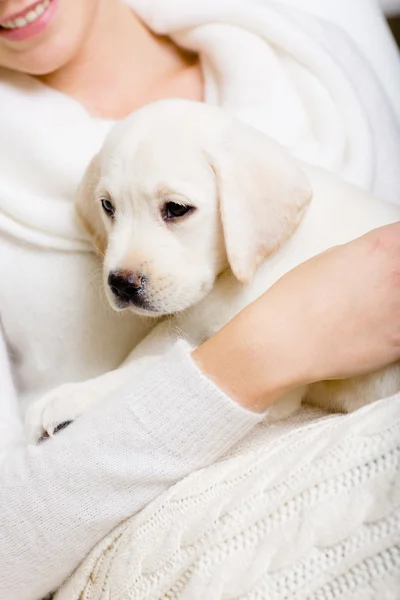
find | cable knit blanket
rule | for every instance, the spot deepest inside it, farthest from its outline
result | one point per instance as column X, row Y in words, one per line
column 306, row 509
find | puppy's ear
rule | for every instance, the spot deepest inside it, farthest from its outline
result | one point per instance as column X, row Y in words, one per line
column 87, row 211
column 263, row 195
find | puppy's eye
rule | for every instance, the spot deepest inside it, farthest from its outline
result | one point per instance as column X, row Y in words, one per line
column 172, row 211
column 108, row 207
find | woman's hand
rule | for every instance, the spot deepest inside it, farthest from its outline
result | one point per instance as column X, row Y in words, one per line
column 336, row 315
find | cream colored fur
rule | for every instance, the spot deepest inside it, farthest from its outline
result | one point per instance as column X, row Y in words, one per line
column 257, row 213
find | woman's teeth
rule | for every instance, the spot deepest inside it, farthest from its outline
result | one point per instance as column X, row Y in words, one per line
column 30, row 17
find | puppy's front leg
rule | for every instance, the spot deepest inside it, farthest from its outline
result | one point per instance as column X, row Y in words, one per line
column 70, row 401
column 66, row 403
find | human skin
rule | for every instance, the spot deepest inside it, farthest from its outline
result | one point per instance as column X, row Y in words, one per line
column 101, row 54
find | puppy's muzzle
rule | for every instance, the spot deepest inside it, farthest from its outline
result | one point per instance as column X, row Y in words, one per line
column 127, row 287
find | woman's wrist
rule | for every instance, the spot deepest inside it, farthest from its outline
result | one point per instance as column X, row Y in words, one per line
column 248, row 359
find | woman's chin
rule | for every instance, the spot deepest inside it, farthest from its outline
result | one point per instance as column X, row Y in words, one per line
column 40, row 61
column 53, row 46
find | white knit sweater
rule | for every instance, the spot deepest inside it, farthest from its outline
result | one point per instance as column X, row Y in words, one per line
column 268, row 65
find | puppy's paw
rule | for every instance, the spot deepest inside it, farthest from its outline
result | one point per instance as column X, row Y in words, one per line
column 57, row 409
column 286, row 406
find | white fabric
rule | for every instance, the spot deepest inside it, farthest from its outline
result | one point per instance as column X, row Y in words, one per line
column 307, row 510
column 265, row 63
column 60, row 498
column 366, row 25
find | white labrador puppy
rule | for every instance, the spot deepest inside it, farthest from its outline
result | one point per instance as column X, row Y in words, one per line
column 197, row 214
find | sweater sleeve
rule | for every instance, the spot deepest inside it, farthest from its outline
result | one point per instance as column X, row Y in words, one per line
column 60, row 498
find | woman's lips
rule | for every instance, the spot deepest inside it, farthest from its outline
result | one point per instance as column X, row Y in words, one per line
column 29, row 22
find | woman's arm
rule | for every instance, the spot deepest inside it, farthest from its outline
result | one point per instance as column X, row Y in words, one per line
column 335, row 316
column 59, row 498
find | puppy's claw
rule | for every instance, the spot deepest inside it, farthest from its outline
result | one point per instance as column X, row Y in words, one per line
column 56, row 410
column 48, row 433
column 52, row 431
column 43, row 437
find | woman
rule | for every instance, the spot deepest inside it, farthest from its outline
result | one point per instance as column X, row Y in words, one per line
column 69, row 69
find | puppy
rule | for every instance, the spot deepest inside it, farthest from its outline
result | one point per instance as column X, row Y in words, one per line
column 196, row 215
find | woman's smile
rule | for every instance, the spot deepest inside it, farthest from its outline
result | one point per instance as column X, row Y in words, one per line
column 29, row 22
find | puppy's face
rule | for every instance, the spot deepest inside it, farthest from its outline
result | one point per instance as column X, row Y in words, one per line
column 158, row 204
column 179, row 192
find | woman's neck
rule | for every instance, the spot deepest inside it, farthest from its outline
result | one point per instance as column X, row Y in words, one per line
column 123, row 66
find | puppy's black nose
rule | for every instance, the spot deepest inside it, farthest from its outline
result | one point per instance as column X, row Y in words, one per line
column 125, row 285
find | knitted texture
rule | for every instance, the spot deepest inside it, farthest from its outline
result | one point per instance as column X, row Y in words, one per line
column 51, row 515
column 306, row 509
